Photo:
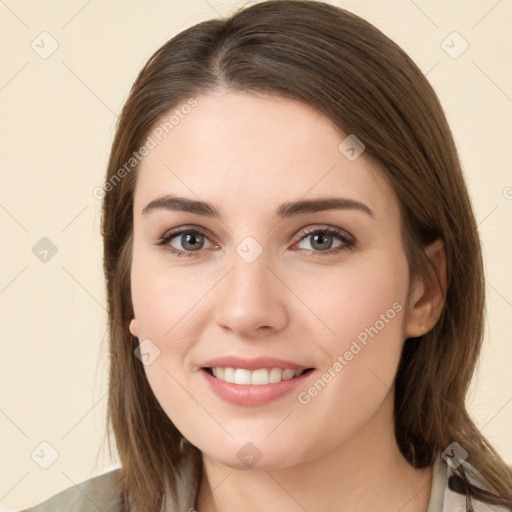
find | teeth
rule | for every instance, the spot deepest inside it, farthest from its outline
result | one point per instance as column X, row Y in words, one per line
column 275, row 375
column 288, row 374
column 229, row 375
column 242, row 376
column 258, row 377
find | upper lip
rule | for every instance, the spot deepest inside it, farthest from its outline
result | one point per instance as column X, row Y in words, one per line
column 252, row 363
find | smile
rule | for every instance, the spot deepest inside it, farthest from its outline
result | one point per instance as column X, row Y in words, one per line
column 255, row 387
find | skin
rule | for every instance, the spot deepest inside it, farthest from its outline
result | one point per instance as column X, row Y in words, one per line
column 246, row 154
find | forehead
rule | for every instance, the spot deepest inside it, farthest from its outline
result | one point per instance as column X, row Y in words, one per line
column 242, row 150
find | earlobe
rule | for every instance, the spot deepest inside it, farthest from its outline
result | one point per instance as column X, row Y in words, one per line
column 133, row 327
column 428, row 297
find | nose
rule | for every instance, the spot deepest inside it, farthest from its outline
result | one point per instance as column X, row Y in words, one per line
column 251, row 299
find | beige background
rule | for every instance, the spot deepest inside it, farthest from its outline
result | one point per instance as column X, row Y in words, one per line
column 57, row 119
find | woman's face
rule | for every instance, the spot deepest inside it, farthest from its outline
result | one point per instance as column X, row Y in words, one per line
column 268, row 279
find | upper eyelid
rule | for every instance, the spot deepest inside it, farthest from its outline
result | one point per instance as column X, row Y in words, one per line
column 172, row 233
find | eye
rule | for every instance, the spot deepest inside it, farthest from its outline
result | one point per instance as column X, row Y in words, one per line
column 322, row 240
column 184, row 242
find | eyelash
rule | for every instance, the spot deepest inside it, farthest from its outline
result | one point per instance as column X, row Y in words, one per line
column 348, row 242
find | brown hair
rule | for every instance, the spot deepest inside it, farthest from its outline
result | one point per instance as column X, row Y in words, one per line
column 358, row 78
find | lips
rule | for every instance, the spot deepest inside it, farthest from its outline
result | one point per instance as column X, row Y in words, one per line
column 253, row 382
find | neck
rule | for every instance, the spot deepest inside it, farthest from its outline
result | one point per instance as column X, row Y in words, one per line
column 365, row 472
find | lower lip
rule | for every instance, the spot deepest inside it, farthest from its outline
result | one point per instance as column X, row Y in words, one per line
column 252, row 395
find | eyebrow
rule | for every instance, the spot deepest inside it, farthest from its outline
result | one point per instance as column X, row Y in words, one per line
column 288, row 209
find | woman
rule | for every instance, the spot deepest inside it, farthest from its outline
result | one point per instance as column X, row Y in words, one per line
column 294, row 279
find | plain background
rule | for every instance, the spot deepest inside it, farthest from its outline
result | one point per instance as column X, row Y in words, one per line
column 57, row 120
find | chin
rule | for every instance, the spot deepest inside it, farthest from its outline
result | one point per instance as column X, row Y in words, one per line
column 258, row 455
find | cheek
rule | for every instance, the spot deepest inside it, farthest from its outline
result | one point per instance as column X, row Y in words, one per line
column 164, row 306
column 366, row 315
column 359, row 303
column 163, row 297
column 372, row 314
column 169, row 306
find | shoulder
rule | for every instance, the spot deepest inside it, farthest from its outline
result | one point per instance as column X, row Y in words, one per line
column 449, row 490
column 101, row 492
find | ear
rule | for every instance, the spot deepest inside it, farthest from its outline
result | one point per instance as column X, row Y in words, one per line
column 426, row 299
column 134, row 328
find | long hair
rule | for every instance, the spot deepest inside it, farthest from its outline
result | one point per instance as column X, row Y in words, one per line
column 366, row 85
